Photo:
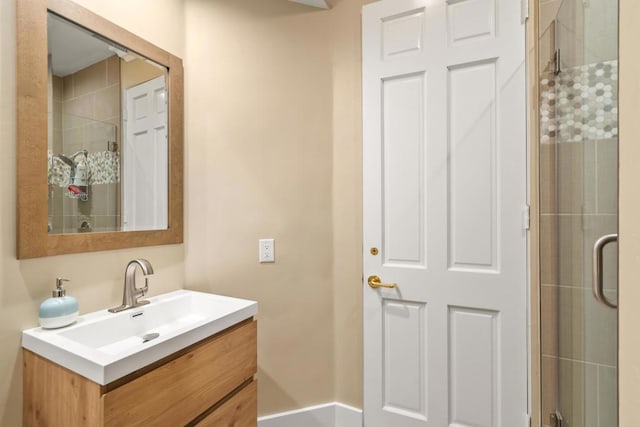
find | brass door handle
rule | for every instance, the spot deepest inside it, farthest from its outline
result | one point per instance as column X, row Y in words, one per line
column 374, row 282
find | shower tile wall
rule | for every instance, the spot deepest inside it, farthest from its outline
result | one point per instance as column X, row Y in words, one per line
column 578, row 203
column 568, row 230
column 92, row 93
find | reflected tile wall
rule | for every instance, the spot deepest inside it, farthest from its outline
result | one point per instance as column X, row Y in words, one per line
column 92, row 93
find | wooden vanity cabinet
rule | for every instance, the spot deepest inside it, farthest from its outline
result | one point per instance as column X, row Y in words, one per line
column 210, row 383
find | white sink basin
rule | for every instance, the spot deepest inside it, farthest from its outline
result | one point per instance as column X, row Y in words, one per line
column 105, row 346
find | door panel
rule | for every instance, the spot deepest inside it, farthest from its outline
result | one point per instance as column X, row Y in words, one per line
column 474, row 383
column 403, row 170
column 471, row 19
column 472, row 186
column 402, row 34
column 444, row 192
column 404, row 342
column 146, row 152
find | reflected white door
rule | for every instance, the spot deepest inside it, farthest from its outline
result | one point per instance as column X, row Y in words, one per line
column 444, row 199
column 145, row 157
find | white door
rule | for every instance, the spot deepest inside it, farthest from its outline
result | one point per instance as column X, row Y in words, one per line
column 444, row 199
column 145, row 157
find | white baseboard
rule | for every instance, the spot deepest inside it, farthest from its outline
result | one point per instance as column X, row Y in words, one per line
column 348, row 416
column 333, row 414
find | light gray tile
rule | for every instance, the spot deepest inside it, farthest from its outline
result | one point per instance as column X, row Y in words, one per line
column 85, row 207
column 576, row 181
column 69, row 205
column 576, row 235
column 77, row 110
column 587, row 330
column 90, row 79
column 113, row 204
column 549, row 320
column 589, row 179
column 107, row 103
column 100, row 199
column 607, row 396
column 70, row 224
column 607, row 172
column 578, row 397
column 547, row 178
column 549, row 386
column 105, row 223
column 113, row 70
column 548, row 249
column 571, row 255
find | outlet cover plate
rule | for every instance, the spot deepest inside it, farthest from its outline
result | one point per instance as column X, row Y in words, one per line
column 267, row 250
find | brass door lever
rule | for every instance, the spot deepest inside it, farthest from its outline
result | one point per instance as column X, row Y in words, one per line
column 375, row 282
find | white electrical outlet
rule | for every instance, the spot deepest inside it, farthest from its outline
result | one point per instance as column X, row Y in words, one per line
column 267, row 251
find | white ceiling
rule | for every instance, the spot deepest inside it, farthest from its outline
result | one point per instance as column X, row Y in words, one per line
column 72, row 48
column 315, row 3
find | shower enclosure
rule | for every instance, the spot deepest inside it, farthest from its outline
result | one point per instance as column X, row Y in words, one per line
column 579, row 212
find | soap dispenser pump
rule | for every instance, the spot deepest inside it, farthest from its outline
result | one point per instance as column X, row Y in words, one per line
column 59, row 310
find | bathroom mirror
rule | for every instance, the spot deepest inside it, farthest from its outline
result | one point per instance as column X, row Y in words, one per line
column 100, row 134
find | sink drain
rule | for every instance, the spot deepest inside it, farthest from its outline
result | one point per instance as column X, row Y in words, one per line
column 149, row 337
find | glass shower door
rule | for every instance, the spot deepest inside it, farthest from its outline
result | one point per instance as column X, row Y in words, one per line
column 579, row 314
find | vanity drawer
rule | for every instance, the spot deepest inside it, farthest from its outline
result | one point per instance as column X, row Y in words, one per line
column 182, row 389
column 240, row 410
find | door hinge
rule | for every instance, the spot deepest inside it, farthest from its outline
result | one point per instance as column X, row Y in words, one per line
column 556, row 62
column 524, row 15
column 556, row 419
column 526, row 217
column 527, row 420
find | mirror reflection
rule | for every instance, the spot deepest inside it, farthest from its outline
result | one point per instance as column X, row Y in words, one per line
column 107, row 135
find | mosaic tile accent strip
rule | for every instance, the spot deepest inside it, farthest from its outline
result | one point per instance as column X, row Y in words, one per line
column 580, row 103
column 59, row 172
column 103, row 167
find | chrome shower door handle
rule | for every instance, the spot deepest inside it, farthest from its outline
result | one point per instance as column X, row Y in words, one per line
column 598, row 249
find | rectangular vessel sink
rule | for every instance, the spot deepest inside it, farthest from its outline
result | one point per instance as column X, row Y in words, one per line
column 105, row 346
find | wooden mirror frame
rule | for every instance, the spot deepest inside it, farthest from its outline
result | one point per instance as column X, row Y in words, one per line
column 33, row 239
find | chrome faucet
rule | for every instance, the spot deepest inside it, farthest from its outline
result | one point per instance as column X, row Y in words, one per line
column 131, row 292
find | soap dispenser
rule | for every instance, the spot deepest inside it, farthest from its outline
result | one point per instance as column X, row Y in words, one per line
column 60, row 310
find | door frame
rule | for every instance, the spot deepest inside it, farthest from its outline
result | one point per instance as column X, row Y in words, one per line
column 532, row 46
column 628, row 212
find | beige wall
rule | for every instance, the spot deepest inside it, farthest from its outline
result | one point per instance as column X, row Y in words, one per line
column 96, row 277
column 273, row 150
column 258, row 77
column 629, row 205
column 274, row 130
column 347, row 198
column 138, row 71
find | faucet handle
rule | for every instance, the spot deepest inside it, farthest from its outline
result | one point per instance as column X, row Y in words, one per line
column 145, row 289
